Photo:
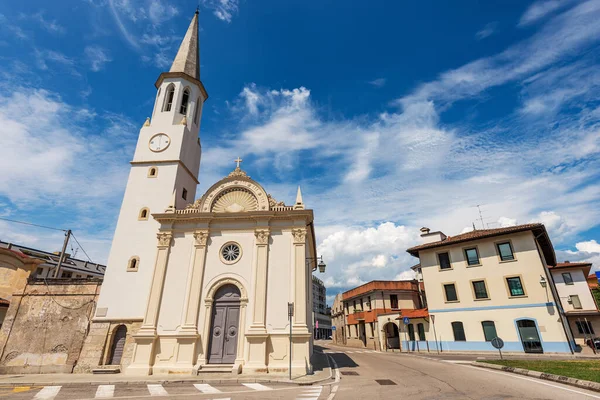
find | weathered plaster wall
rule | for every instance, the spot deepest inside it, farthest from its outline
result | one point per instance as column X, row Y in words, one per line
column 46, row 325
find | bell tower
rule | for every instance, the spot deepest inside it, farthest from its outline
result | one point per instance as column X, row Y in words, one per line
column 164, row 174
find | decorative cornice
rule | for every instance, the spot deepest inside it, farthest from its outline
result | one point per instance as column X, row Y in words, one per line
column 237, row 172
column 273, row 202
column 164, row 239
column 299, row 235
column 262, row 236
column 200, row 238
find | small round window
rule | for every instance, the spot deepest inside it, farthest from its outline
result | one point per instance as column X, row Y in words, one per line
column 230, row 253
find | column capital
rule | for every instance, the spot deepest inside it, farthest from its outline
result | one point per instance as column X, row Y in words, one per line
column 299, row 235
column 262, row 236
column 200, row 238
column 164, row 239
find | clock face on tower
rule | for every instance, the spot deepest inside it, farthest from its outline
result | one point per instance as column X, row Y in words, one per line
column 159, row 142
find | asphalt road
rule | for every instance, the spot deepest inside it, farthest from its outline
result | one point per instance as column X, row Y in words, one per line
column 360, row 374
column 369, row 375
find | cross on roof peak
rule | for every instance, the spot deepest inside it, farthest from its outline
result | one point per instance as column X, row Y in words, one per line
column 238, row 161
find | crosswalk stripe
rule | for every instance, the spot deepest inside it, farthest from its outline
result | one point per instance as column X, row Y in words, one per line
column 256, row 386
column 310, row 394
column 47, row 393
column 105, row 391
column 206, row 388
column 157, row 390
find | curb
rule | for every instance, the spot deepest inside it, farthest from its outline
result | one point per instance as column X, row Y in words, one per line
column 164, row 382
column 580, row 383
column 176, row 381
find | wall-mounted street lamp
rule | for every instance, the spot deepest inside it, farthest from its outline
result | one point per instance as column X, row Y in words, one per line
column 320, row 264
column 544, row 284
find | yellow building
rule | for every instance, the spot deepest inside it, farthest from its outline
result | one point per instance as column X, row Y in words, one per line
column 493, row 283
column 577, row 301
column 15, row 268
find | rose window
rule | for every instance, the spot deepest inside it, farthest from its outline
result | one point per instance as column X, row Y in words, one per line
column 230, row 252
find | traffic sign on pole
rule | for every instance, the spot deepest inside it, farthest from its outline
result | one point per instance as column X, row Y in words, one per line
column 406, row 320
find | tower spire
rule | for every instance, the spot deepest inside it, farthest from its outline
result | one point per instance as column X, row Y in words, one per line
column 187, row 59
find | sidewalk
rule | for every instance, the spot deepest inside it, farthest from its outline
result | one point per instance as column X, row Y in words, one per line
column 321, row 368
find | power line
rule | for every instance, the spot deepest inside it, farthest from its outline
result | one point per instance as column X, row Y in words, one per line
column 81, row 247
column 30, row 224
column 52, row 228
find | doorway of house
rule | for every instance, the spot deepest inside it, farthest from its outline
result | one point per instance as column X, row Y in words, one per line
column 392, row 335
column 224, row 326
column 362, row 332
column 530, row 336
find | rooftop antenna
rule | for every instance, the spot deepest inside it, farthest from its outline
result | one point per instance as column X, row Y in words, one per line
column 474, row 226
column 480, row 216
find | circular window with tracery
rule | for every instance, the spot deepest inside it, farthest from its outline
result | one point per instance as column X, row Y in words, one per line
column 230, row 253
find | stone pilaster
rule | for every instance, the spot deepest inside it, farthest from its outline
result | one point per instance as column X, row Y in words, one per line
column 189, row 318
column 260, row 279
column 257, row 333
column 299, row 278
column 143, row 354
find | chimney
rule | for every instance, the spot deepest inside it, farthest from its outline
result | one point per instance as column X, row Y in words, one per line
column 429, row 237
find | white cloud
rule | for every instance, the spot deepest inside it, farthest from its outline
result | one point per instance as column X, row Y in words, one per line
column 51, row 26
column 587, row 251
column 64, row 148
column 539, row 10
column 379, row 82
column 223, row 9
column 96, row 57
column 591, row 246
column 488, row 30
column 159, row 11
column 504, row 222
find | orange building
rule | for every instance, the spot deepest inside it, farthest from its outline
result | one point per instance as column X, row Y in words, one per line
column 363, row 304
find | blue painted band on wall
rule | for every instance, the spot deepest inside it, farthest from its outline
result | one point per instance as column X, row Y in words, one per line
column 508, row 307
column 549, row 347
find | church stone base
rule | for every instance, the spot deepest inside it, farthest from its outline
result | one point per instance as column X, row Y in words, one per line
column 96, row 347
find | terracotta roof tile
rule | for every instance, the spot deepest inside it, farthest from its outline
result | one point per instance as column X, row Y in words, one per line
column 410, row 313
column 570, row 264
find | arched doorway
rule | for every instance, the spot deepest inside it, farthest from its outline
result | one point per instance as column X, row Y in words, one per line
column 118, row 343
column 224, row 326
column 530, row 336
column 392, row 335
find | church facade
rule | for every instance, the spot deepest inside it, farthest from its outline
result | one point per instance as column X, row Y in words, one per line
column 200, row 285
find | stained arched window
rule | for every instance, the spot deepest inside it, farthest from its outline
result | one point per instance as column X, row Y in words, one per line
column 185, row 99
column 197, row 112
column 133, row 264
column 170, row 93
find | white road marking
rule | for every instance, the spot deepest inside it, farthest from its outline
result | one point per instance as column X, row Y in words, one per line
column 310, row 394
column 256, row 386
column 47, row 393
column 105, row 391
column 206, row 388
column 157, row 390
column 455, row 361
column 337, row 379
column 531, row 380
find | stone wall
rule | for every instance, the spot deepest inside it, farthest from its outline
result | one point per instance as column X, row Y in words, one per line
column 97, row 346
column 46, row 325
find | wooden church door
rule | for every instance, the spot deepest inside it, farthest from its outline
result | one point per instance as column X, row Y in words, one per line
column 225, row 326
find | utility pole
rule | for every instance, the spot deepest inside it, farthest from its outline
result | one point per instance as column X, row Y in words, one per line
column 62, row 253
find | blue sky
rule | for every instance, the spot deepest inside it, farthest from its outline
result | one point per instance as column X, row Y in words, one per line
column 390, row 115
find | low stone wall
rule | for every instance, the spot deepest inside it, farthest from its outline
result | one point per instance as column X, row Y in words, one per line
column 46, row 325
column 96, row 348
